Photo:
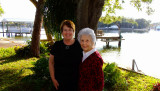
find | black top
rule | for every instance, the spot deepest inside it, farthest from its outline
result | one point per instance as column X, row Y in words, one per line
column 67, row 60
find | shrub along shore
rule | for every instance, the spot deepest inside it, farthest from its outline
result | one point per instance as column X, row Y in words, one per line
column 20, row 72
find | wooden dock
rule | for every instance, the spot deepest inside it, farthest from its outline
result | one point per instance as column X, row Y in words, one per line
column 100, row 34
column 16, row 26
column 16, row 33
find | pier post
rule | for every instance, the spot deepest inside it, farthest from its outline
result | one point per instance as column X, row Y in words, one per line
column 133, row 62
column 8, row 34
column 107, row 44
column 3, row 28
column 119, row 42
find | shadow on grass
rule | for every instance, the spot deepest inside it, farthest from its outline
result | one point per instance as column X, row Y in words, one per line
column 18, row 79
column 30, row 83
column 13, row 58
column 9, row 77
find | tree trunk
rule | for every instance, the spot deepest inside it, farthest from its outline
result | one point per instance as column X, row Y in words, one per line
column 88, row 14
column 49, row 36
column 35, row 48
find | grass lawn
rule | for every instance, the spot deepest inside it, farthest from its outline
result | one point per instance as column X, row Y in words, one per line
column 138, row 82
column 13, row 69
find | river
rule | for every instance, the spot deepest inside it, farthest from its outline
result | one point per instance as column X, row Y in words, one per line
column 144, row 48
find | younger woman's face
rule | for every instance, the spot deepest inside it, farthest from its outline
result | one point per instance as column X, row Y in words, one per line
column 67, row 33
column 86, row 43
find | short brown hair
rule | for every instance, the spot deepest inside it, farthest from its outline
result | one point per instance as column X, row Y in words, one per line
column 68, row 23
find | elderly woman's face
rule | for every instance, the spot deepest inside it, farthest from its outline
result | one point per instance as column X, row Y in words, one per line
column 67, row 32
column 86, row 43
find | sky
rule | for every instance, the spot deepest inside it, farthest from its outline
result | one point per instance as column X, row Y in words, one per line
column 18, row 9
column 25, row 9
column 132, row 12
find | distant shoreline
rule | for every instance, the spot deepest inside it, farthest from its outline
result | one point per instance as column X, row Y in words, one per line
column 123, row 30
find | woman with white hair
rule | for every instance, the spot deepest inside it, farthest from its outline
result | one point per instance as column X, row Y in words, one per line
column 91, row 75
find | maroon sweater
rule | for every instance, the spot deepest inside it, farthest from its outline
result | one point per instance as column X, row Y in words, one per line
column 91, row 74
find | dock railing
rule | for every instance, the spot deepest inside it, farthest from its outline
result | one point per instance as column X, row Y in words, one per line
column 134, row 64
column 99, row 35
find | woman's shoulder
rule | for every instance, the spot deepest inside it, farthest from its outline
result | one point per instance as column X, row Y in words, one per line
column 56, row 44
column 97, row 56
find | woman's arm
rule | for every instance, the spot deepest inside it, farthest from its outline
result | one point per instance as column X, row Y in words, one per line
column 51, row 70
column 98, row 75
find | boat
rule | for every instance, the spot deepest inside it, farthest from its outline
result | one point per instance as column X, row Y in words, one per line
column 157, row 28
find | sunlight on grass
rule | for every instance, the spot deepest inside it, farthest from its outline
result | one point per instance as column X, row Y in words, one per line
column 13, row 69
column 138, row 82
column 6, row 52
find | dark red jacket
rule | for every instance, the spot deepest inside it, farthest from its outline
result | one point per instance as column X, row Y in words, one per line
column 91, row 74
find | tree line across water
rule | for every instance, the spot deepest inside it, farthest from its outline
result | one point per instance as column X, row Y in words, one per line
column 128, row 23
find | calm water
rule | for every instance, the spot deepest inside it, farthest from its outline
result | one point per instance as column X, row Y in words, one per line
column 143, row 47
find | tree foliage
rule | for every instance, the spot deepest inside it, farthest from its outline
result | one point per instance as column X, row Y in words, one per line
column 112, row 5
column 84, row 13
column 142, row 23
column 109, row 7
column 57, row 11
column 1, row 11
column 128, row 23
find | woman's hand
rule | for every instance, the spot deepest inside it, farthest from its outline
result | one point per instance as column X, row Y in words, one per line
column 51, row 70
column 56, row 84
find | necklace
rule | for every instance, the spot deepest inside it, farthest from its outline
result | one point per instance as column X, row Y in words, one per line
column 67, row 47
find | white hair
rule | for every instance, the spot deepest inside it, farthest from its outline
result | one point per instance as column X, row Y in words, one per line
column 87, row 31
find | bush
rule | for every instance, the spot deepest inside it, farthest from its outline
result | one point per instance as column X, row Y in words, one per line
column 112, row 76
column 25, row 51
column 156, row 87
column 6, row 52
column 43, row 47
column 41, row 77
column 41, row 68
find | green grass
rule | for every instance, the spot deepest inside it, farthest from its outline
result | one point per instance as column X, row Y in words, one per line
column 12, row 72
column 138, row 82
column 134, row 81
column 13, row 69
column 6, row 52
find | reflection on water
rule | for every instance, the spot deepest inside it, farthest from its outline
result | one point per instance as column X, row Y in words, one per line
column 143, row 47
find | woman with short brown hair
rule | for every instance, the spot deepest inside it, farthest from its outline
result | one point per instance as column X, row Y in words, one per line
column 65, row 57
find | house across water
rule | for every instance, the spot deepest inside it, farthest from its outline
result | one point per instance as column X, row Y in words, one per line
column 17, row 26
column 157, row 28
